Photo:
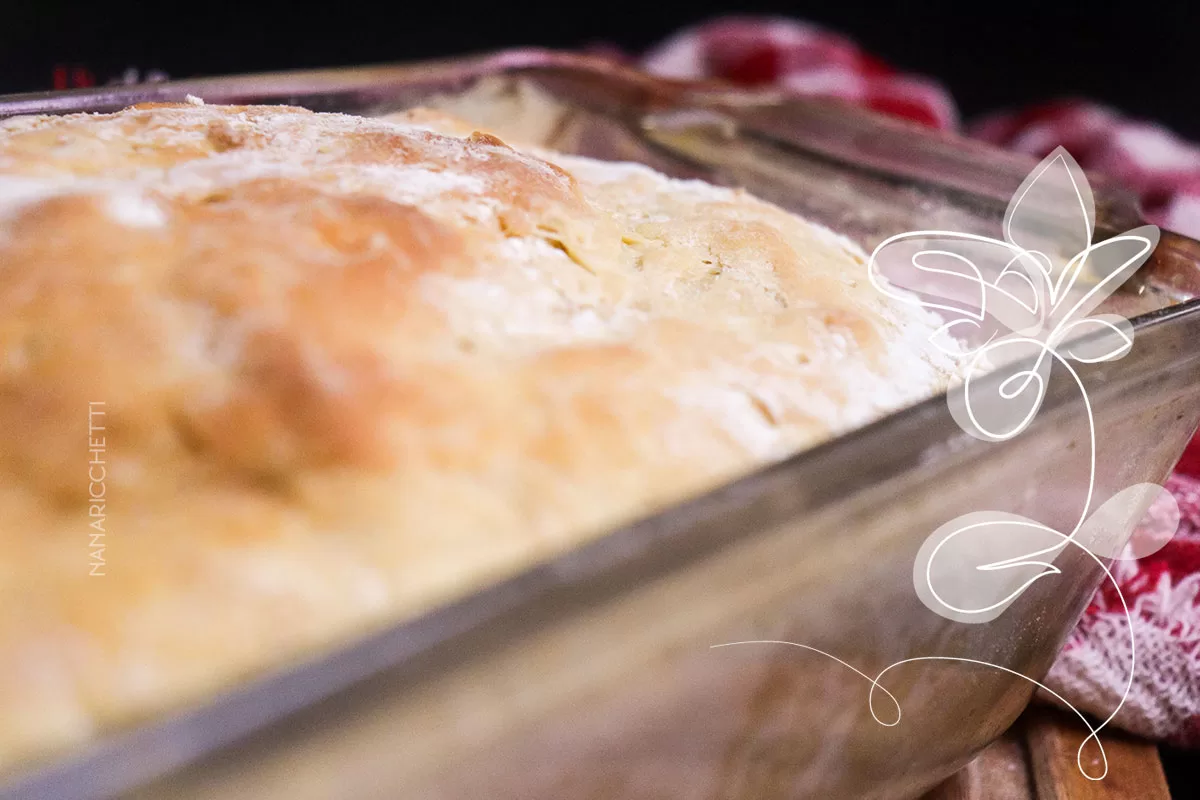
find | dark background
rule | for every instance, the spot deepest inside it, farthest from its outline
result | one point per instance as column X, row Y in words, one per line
column 1139, row 55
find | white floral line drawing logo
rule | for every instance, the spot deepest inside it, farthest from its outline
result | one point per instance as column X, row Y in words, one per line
column 1016, row 306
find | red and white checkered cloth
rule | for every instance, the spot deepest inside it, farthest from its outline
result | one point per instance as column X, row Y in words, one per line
column 1162, row 590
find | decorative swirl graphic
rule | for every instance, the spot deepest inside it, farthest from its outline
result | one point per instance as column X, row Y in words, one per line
column 1013, row 309
column 1020, row 305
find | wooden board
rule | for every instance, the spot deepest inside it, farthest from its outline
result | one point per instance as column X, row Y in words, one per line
column 1036, row 761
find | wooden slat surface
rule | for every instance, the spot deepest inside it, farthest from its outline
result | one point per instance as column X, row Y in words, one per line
column 1036, row 761
column 1134, row 769
column 999, row 773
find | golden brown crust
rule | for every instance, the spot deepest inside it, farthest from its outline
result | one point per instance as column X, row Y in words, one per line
column 351, row 368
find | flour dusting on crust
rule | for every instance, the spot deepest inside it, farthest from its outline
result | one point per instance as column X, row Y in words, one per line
column 354, row 368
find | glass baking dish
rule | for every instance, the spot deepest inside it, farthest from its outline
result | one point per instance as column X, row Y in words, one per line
column 595, row 674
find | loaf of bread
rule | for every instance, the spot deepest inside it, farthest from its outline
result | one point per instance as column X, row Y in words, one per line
column 271, row 379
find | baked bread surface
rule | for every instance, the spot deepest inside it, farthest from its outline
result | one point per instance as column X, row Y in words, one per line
column 352, row 368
